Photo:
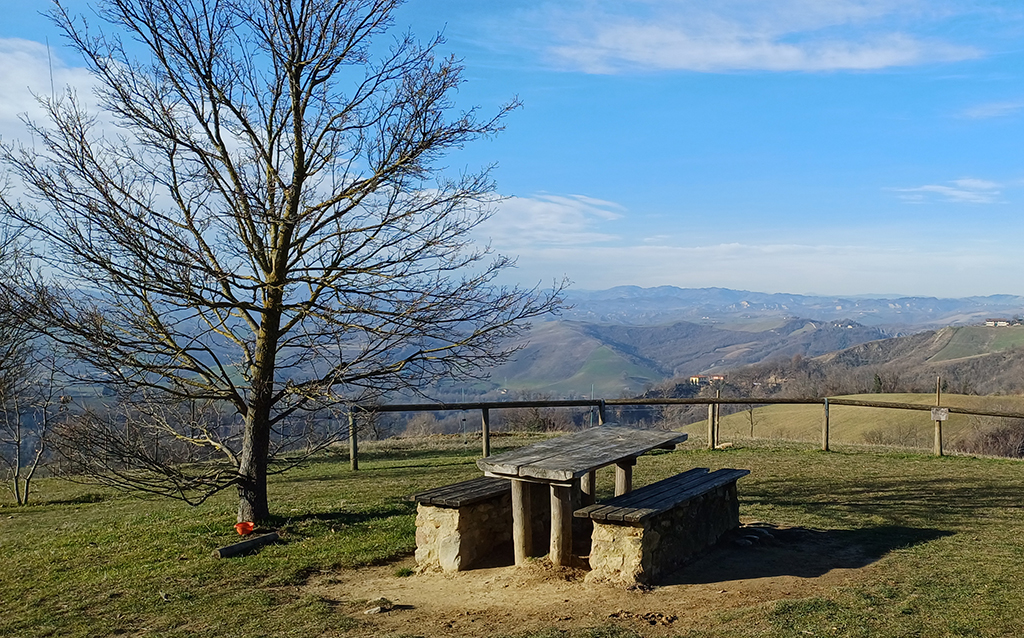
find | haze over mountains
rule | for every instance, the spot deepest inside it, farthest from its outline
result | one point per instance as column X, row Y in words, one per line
column 625, row 339
column 633, row 305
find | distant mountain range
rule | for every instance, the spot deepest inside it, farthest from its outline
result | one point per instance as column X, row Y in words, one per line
column 625, row 339
column 633, row 305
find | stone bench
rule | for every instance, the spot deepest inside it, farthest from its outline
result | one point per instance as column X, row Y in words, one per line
column 650, row 532
column 458, row 524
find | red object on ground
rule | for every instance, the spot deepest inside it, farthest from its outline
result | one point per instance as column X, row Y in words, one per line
column 244, row 529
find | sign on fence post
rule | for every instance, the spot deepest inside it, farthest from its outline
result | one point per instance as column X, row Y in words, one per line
column 939, row 415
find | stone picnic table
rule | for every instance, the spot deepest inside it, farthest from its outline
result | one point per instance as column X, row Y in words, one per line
column 567, row 464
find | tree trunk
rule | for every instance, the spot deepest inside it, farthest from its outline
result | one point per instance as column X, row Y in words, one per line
column 252, row 470
column 252, row 474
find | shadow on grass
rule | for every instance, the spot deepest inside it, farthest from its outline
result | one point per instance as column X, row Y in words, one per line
column 81, row 499
column 379, row 462
column 390, row 455
column 304, row 524
column 895, row 500
column 800, row 552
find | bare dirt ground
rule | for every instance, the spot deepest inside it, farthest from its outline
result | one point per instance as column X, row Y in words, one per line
column 506, row 599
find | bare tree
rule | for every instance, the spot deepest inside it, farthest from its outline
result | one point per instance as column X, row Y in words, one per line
column 422, row 424
column 752, row 419
column 535, row 419
column 15, row 356
column 270, row 227
column 29, row 393
column 30, row 411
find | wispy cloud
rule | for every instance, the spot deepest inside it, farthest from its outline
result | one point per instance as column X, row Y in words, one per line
column 564, row 220
column 601, row 36
column 966, row 191
column 994, row 109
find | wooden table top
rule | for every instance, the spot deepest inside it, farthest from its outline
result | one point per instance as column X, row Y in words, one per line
column 573, row 455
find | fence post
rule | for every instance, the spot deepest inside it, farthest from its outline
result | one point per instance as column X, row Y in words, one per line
column 718, row 417
column 824, row 427
column 353, row 441
column 718, row 423
column 938, row 424
column 600, row 413
column 711, row 426
column 485, row 430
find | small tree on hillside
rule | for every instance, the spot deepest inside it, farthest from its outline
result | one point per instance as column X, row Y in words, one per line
column 270, row 228
column 30, row 400
column 30, row 411
column 14, row 330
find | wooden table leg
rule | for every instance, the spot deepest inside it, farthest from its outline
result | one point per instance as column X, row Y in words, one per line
column 624, row 476
column 588, row 488
column 522, row 526
column 561, row 525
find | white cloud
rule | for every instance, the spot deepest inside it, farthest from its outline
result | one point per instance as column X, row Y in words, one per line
column 994, row 109
column 657, row 239
column 783, row 35
column 25, row 69
column 566, row 220
column 965, row 191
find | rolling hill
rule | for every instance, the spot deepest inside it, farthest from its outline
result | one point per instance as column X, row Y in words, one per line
column 968, row 359
column 949, row 348
column 564, row 358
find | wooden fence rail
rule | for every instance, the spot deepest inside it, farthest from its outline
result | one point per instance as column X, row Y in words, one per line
column 713, row 404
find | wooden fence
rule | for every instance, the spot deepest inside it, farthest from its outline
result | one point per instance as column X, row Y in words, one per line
column 938, row 413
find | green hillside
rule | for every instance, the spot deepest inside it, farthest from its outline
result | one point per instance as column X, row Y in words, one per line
column 606, row 371
column 972, row 341
column 568, row 358
column 848, row 424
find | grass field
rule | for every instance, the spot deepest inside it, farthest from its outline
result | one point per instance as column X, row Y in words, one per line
column 944, row 533
column 848, row 424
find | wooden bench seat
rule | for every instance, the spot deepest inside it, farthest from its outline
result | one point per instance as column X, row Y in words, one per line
column 652, row 531
column 461, row 523
column 465, row 493
column 639, row 505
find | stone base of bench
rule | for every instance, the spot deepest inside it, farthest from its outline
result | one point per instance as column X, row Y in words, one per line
column 451, row 539
column 453, row 533
column 628, row 554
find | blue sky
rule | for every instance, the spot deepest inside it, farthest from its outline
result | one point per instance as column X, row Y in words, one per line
column 837, row 147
